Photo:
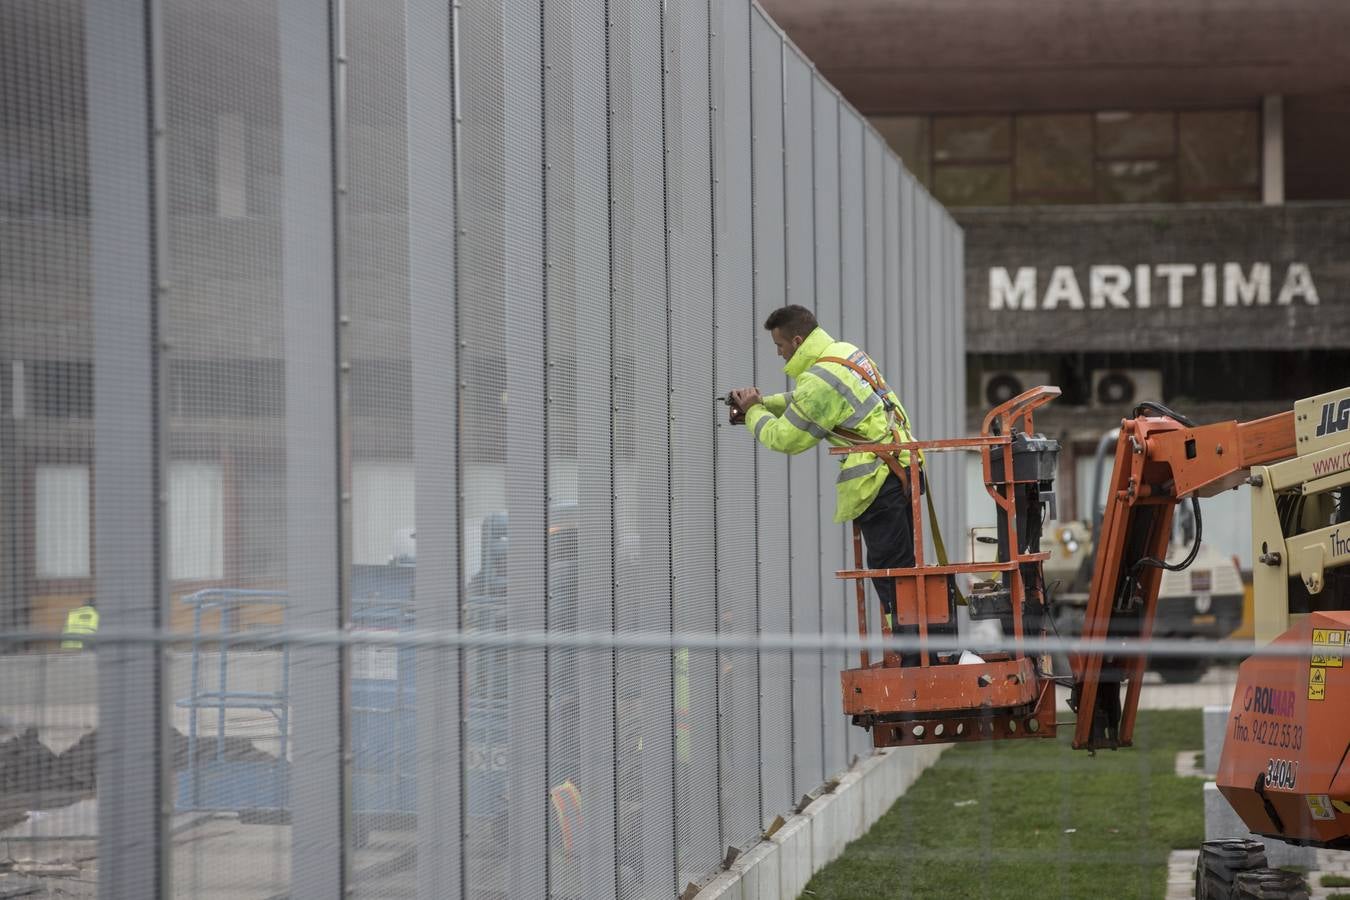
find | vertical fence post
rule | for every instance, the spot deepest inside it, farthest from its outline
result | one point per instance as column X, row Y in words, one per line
column 524, row 317
column 316, row 505
column 432, row 269
column 827, row 286
column 126, row 180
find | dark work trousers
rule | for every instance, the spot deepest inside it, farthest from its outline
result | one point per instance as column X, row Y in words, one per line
column 888, row 531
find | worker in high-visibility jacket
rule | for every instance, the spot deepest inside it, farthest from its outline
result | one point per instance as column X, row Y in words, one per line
column 840, row 396
column 80, row 621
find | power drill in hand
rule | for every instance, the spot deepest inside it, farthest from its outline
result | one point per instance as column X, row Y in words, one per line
column 737, row 414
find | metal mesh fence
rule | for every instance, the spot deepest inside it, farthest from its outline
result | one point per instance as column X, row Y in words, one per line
column 834, row 607
column 809, row 683
column 774, row 607
column 393, row 320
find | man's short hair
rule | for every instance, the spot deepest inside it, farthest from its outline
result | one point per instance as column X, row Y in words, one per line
column 793, row 321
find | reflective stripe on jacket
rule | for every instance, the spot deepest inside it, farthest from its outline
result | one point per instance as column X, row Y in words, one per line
column 827, row 396
column 80, row 621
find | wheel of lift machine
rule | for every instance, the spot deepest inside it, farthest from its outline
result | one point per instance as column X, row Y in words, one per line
column 1221, row 862
column 1269, row 884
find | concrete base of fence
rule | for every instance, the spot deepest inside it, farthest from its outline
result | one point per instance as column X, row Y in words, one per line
column 780, row 867
column 1222, row 822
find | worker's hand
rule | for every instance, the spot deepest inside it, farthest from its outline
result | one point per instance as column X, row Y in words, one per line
column 737, row 416
column 744, row 398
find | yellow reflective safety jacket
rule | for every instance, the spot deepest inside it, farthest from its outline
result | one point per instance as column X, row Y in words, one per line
column 80, row 621
column 827, row 396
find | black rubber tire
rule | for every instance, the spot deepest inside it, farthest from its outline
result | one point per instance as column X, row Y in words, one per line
column 1221, row 862
column 1269, row 884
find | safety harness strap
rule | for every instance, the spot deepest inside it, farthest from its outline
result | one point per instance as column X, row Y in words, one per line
column 892, row 460
column 872, row 377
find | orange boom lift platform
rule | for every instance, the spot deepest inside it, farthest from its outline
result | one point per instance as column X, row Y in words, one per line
column 1286, row 761
column 1007, row 694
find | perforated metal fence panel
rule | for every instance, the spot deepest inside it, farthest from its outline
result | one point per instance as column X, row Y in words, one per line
column 958, row 370
column 642, row 336
column 852, row 222
column 581, row 367
column 937, row 385
column 890, row 253
column 375, row 267
column 770, row 280
column 934, row 311
column 804, row 473
column 835, row 595
column 920, row 405
column 952, row 463
column 434, row 368
column 853, row 316
column 353, row 352
column 504, row 508
column 909, row 297
column 82, row 311
column 735, row 471
column 694, row 421
column 874, row 239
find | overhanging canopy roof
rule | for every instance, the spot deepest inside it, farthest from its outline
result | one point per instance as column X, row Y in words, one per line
column 950, row 55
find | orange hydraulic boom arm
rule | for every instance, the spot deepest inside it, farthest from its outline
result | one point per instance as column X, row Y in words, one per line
column 1160, row 460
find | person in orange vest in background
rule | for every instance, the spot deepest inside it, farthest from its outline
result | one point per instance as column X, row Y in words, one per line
column 80, row 621
column 567, row 805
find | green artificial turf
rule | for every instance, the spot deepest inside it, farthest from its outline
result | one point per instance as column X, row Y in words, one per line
column 1045, row 821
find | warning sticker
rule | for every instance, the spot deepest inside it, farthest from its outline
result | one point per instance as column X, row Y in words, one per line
column 1329, row 637
column 1333, row 660
column 1317, row 683
column 1320, row 806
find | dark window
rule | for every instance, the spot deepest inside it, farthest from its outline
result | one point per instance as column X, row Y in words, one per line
column 260, row 483
column 62, row 389
column 971, row 138
column 234, row 388
column 382, row 387
column 1316, row 146
column 1054, row 159
column 973, row 185
column 1110, row 156
column 1136, row 135
column 44, row 170
column 908, row 137
column 1220, row 155
column 1137, row 181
